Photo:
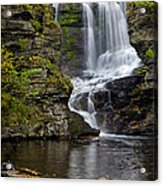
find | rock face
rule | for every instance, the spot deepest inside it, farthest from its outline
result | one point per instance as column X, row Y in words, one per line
column 35, row 92
column 133, row 108
column 70, row 17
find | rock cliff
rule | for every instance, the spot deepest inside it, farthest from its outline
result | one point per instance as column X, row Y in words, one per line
column 35, row 91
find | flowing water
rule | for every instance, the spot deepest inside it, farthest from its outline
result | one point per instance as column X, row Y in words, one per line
column 111, row 157
column 108, row 56
column 56, row 5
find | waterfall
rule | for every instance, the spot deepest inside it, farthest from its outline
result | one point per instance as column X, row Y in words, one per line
column 117, row 51
column 90, row 48
column 109, row 56
column 56, row 5
column 123, row 7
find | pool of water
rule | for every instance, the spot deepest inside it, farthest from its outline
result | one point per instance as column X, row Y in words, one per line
column 111, row 157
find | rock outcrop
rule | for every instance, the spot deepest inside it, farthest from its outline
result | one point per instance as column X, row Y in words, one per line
column 70, row 17
column 35, row 92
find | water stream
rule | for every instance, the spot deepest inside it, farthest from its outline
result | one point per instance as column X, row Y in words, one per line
column 56, row 5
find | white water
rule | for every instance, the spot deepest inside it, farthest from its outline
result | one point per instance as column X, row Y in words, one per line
column 56, row 5
column 123, row 7
column 90, row 44
column 109, row 56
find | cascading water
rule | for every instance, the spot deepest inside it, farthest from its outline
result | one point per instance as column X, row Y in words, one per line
column 123, row 7
column 110, row 56
column 56, row 5
column 90, row 47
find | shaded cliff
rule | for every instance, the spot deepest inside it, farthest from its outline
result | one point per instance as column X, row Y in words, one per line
column 35, row 91
column 70, row 18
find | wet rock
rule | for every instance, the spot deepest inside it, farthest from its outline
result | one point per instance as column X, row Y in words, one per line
column 127, row 110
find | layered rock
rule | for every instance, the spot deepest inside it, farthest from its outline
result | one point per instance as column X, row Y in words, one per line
column 35, row 104
column 70, row 17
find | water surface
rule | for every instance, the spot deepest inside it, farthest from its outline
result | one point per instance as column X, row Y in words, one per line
column 108, row 158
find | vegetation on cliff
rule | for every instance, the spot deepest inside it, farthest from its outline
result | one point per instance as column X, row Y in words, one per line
column 28, row 71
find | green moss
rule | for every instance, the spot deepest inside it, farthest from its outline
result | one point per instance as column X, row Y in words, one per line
column 150, row 53
column 14, row 110
column 35, row 71
column 33, row 93
column 12, row 79
column 18, row 108
column 22, row 42
column 141, row 70
column 145, row 4
column 70, row 19
column 41, row 14
column 71, row 16
column 70, row 41
column 52, row 23
column 36, row 24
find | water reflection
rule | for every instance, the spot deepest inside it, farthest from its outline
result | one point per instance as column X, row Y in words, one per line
column 83, row 162
column 109, row 158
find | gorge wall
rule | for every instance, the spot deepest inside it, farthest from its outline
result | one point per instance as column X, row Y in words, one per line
column 70, row 17
column 35, row 91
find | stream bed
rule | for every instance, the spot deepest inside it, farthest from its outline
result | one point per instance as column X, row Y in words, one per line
column 109, row 157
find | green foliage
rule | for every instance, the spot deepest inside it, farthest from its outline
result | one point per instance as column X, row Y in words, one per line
column 16, row 78
column 14, row 88
column 20, row 71
column 70, row 41
column 14, row 110
column 71, row 16
column 33, row 93
column 142, row 69
column 58, row 79
column 36, row 24
column 39, row 11
column 150, row 53
column 12, row 80
column 52, row 23
column 145, row 4
column 35, row 71
column 22, row 42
